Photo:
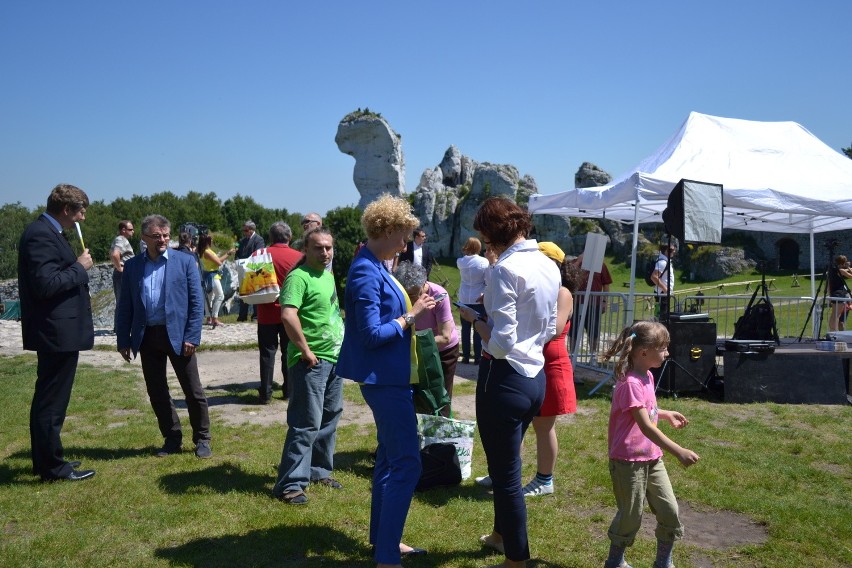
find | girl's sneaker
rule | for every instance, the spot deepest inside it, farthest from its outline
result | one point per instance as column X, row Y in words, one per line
column 536, row 488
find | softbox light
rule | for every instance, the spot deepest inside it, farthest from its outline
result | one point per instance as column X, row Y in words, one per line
column 693, row 212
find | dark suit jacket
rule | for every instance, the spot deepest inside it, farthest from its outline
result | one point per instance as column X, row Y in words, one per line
column 249, row 245
column 375, row 349
column 184, row 302
column 408, row 254
column 56, row 312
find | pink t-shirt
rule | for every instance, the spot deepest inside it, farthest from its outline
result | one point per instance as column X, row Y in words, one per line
column 431, row 319
column 626, row 440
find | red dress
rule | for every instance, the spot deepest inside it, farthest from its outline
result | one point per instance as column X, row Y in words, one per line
column 559, row 394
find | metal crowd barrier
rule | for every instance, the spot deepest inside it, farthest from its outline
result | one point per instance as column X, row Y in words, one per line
column 607, row 313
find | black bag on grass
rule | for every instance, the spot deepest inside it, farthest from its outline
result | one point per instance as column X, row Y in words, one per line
column 440, row 466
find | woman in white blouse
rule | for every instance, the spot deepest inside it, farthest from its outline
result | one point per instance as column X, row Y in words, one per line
column 473, row 269
column 520, row 301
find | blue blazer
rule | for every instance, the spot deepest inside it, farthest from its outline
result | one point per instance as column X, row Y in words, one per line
column 184, row 302
column 375, row 350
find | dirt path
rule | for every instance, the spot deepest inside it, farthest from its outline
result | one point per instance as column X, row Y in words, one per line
column 230, row 378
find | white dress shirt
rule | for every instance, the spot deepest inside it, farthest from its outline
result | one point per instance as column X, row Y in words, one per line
column 417, row 254
column 520, row 301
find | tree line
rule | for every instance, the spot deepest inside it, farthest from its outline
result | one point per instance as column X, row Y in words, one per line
column 224, row 221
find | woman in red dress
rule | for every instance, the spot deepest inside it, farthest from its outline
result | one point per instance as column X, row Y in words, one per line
column 559, row 396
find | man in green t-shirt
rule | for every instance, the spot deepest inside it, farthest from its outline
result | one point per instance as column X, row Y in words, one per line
column 311, row 316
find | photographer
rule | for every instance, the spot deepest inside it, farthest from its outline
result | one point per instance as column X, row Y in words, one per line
column 837, row 287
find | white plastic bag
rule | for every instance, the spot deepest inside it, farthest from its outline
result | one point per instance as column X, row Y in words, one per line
column 433, row 429
column 258, row 281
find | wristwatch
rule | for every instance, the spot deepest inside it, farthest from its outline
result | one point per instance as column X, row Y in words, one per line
column 409, row 319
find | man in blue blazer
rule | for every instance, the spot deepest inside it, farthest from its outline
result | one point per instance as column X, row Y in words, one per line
column 159, row 315
column 56, row 322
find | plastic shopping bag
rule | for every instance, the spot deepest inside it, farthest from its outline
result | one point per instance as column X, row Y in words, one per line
column 258, row 281
column 437, row 429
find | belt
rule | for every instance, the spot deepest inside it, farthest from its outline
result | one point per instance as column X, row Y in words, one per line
column 486, row 355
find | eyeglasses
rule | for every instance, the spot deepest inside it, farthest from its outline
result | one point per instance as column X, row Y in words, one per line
column 159, row 237
column 308, row 221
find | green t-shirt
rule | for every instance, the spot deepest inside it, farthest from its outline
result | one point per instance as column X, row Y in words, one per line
column 314, row 294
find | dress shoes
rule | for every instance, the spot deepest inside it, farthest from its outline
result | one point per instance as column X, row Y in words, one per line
column 75, row 475
column 414, row 552
column 169, row 448
column 73, row 464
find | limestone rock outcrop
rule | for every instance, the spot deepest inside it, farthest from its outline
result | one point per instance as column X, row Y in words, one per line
column 589, row 175
column 448, row 195
column 377, row 149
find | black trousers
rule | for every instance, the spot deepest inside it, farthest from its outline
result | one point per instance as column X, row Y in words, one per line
column 154, row 351
column 55, row 379
column 271, row 336
column 244, row 309
column 506, row 403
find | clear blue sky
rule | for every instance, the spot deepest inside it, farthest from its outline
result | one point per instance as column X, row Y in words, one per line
column 124, row 98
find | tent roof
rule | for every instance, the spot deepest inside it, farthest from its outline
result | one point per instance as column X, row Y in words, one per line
column 776, row 176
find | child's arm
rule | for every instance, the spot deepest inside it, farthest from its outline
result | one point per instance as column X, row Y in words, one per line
column 673, row 417
column 685, row 456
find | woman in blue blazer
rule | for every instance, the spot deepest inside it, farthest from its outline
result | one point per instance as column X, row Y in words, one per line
column 377, row 352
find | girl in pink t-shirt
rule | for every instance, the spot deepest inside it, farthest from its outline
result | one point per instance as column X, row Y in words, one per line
column 636, row 445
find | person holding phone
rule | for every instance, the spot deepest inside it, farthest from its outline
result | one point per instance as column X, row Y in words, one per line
column 520, row 303
column 439, row 319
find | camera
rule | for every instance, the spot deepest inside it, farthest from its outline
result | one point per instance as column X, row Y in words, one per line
column 193, row 230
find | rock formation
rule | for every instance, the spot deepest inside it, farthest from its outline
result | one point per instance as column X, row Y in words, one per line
column 379, row 163
column 589, row 175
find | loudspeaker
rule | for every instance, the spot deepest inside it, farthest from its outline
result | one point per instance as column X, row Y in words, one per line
column 693, row 212
column 692, row 350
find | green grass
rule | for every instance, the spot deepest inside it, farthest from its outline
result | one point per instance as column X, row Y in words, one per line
column 785, row 467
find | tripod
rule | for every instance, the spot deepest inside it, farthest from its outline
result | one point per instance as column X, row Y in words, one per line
column 665, row 375
column 829, row 274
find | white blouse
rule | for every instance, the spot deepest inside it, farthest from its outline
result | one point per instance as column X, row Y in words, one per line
column 520, row 301
column 473, row 270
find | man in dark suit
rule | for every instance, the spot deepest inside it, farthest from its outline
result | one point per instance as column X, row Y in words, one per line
column 416, row 252
column 159, row 315
column 56, row 323
column 250, row 243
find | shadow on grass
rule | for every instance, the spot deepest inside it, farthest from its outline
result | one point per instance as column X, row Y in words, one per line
column 360, row 463
column 10, row 475
column 356, row 462
column 305, row 545
column 301, row 546
column 222, row 478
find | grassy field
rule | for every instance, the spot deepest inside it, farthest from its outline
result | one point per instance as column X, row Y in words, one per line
column 786, row 469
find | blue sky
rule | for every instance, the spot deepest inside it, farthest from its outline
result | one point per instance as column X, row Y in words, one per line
column 126, row 98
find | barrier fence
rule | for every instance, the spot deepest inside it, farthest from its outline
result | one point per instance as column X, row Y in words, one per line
column 607, row 316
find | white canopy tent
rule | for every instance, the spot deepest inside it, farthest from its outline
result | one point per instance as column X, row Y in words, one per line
column 776, row 176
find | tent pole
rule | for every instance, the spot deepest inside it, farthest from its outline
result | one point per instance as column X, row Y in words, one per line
column 631, row 298
column 815, row 320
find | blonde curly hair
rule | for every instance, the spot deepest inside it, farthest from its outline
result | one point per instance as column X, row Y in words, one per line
column 386, row 215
